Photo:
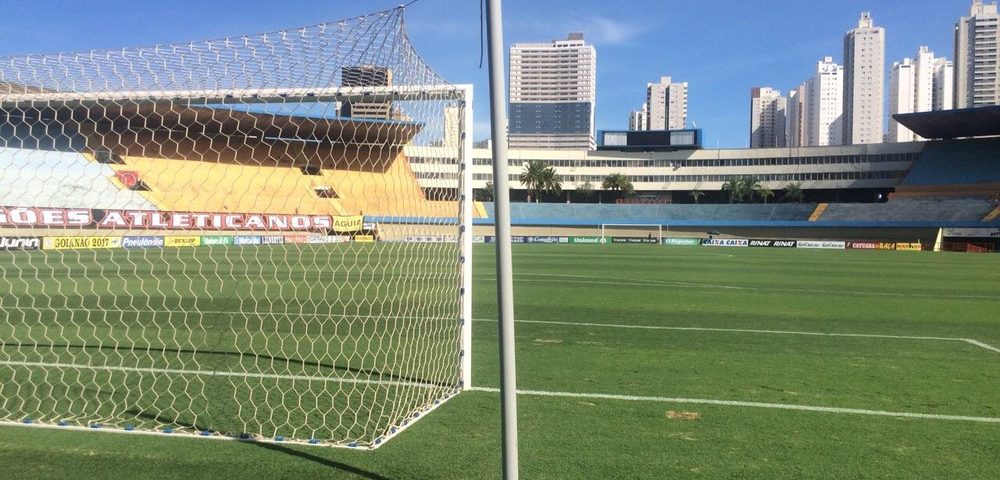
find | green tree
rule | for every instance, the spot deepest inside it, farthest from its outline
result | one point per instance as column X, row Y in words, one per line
column 551, row 182
column 539, row 179
column 696, row 195
column 532, row 177
column 793, row 193
column 484, row 194
column 765, row 193
column 735, row 188
column 585, row 190
column 619, row 183
column 751, row 188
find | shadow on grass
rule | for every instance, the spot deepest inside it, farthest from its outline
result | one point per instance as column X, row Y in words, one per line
column 289, row 451
column 317, row 459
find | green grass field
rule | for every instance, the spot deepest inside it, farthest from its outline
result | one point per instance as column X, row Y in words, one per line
column 651, row 362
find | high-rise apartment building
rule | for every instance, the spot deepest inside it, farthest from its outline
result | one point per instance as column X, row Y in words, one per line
column 823, row 106
column 902, row 89
column 795, row 121
column 864, row 77
column 552, row 94
column 977, row 57
column 638, row 119
column 767, row 118
column 923, row 80
column 944, row 84
column 667, row 104
column 921, row 84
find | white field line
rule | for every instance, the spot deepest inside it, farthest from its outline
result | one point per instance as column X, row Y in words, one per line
column 737, row 403
column 765, row 332
column 573, row 324
column 585, row 280
column 981, row 344
column 215, row 373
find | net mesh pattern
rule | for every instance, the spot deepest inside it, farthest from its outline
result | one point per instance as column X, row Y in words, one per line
column 227, row 238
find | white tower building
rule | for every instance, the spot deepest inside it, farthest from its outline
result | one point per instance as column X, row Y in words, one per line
column 944, row 84
column 668, row 104
column 823, row 105
column 902, row 81
column 977, row 78
column 864, row 91
column 552, row 94
column 919, row 85
column 638, row 119
column 767, row 118
column 795, row 123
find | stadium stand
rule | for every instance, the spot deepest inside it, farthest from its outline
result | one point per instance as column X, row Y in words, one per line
column 911, row 210
column 596, row 214
column 251, row 186
column 181, row 185
column 965, row 162
column 62, row 180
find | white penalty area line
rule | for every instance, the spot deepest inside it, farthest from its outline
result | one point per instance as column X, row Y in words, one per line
column 737, row 403
column 633, row 282
column 764, row 332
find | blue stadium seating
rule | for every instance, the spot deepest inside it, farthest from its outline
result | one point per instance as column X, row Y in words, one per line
column 957, row 163
column 50, row 178
column 910, row 210
column 596, row 214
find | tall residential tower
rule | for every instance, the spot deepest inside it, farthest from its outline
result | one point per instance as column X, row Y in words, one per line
column 552, row 94
column 977, row 58
column 918, row 85
column 823, row 106
column 767, row 118
column 864, row 77
column 668, row 105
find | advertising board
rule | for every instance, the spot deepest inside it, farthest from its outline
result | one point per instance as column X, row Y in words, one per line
column 821, row 244
column 20, row 243
column 725, row 242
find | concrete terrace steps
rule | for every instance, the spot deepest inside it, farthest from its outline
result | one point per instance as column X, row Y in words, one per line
column 940, row 210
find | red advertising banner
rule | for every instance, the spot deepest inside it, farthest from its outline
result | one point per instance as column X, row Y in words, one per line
column 28, row 217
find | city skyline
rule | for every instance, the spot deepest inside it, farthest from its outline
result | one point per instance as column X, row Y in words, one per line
column 721, row 55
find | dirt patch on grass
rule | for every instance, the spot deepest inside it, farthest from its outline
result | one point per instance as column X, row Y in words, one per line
column 683, row 415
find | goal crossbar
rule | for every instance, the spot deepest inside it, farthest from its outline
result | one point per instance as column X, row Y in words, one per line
column 237, row 96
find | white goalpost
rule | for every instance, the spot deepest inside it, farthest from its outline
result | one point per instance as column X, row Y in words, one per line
column 265, row 237
column 609, row 231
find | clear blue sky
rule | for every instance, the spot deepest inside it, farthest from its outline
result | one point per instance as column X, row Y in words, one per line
column 722, row 49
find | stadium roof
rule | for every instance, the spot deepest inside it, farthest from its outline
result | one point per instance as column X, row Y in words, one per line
column 218, row 119
column 966, row 122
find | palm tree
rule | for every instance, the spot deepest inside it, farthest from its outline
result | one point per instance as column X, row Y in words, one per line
column 765, row 193
column 551, row 182
column 484, row 194
column 751, row 188
column 532, row 177
column 735, row 188
column 617, row 182
column 696, row 195
column 793, row 192
column 585, row 190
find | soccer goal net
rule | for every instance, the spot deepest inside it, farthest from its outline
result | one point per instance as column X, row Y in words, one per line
column 631, row 233
column 262, row 237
